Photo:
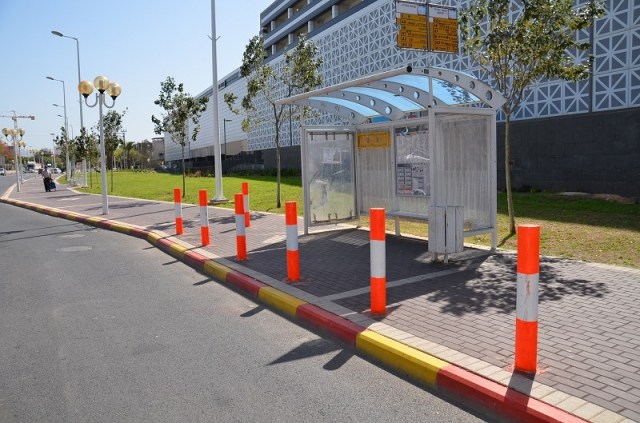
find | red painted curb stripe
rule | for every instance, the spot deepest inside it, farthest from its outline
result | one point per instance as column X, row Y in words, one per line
column 245, row 282
column 165, row 245
column 195, row 260
column 337, row 326
column 139, row 233
column 497, row 398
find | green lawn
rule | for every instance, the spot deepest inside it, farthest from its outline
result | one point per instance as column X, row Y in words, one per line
column 159, row 186
column 578, row 228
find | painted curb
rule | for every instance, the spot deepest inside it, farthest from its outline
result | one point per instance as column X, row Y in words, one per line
column 466, row 387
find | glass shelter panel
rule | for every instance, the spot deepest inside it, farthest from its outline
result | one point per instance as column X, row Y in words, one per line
column 329, row 176
column 462, row 167
column 375, row 179
column 413, row 179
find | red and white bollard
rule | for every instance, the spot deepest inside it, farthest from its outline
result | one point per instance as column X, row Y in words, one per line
column 293, row 257
column 526, row 354
column 177, row 199
column 204, row 218
column 241, row 237
column 377, row 243
column 245, row 199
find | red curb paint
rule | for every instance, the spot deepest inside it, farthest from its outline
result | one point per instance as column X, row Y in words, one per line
column 245, row 282
column 139, row 233
column 337, row 326
column 195, row 260
column 498, row 399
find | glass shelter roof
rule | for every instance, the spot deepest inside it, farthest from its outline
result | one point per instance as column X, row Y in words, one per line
column 398, row 94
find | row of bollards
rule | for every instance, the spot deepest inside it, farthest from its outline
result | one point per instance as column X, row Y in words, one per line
column 528, row 265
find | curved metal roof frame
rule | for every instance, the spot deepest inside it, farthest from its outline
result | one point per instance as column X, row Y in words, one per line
column 394, row 94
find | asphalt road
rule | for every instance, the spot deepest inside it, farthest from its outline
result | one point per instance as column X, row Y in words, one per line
column 97, row 326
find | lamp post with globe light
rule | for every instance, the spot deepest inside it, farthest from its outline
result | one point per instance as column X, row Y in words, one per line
column 102, row 84
column 16, row 136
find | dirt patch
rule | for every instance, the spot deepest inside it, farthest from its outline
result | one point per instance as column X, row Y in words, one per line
column 614, row 198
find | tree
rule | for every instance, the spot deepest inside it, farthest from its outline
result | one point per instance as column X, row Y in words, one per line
column 4, row 150
column 299, row 73
column 112, row 126
column 80, row 144
column 87, row 147
column 65, row 145
column 126, row 149
column 517, row 43
column 180, row 108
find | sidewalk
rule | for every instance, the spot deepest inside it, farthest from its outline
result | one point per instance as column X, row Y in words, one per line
column 449, row 326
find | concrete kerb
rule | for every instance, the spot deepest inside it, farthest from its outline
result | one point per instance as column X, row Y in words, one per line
column 471, row 389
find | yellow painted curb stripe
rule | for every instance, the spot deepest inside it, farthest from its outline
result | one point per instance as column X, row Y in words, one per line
column 153, row 238
column 177, row 250
column 399, row 356
column 94, row 220
column 280, row 300
column 216, row 270
column 120, row 228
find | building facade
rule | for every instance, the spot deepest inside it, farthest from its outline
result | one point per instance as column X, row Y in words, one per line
column 233, row 140
column 358, row 38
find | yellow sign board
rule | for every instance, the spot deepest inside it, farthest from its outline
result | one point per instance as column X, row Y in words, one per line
column 374, row 139
column 425, row 26
column 412, row 31
column 443, row 29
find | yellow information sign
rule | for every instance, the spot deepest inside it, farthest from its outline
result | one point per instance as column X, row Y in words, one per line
column 412, row 30
column 425, row 26
column 374, row 139
column 443, row 28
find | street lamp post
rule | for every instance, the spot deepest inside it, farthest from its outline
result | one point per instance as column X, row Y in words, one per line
column 21, row 145
column 85, row 88
column 16, row 136
column 217, row 160
column 53, row 153
column 66, row 126
column 84, row 159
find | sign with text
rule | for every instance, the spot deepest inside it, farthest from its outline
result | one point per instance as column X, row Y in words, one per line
column 425, row 26
column 443, row 28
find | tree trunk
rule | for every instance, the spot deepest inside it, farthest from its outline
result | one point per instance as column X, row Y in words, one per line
column 278, row 175
column 277, row 122
column 507, row 173
column 112, row 173
column 184, row 174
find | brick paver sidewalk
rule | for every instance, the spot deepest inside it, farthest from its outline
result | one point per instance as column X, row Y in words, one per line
column 462, row 312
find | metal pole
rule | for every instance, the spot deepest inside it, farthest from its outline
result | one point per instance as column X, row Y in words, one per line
column 15, row 154
column 66, row 131
column 15, row 149
column 103, row 160
column 219, row 197
column 84, row 159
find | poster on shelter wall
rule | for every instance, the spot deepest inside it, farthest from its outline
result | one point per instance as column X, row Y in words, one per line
column 412, row 161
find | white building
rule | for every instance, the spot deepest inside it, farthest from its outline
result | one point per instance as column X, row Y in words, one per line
column 358, row 38
column 233, row 139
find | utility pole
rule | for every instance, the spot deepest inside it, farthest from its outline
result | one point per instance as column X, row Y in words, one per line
column 15, row 118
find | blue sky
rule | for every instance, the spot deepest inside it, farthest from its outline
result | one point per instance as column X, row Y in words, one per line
column 137, row 43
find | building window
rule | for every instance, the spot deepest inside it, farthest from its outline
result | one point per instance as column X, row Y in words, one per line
column 345, row 5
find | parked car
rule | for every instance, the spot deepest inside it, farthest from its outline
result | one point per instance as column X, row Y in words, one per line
column 3, row 172
column 57, row 170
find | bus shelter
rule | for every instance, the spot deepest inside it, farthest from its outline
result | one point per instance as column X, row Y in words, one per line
column 419, row 142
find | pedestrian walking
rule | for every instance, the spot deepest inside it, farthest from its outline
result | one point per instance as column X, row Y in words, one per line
column 46, row 177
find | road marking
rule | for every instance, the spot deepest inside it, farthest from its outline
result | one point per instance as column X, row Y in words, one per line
column 400, row 282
